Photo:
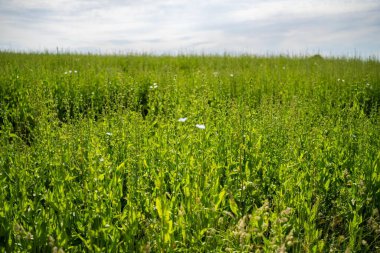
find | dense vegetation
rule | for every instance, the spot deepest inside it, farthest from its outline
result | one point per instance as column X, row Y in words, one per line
column 189, row 153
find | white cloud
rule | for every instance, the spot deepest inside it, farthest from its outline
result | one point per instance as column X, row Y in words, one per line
column 171, row 25
column 301, row 9
column 56, row 5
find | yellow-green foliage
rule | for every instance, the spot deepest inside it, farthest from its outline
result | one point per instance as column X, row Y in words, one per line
column 189, row 153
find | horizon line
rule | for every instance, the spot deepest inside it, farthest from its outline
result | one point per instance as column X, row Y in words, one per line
column 186, row 52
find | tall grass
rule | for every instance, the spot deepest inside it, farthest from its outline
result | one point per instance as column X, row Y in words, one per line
column 93, row 157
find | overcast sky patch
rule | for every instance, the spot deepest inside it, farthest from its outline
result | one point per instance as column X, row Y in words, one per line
column 336, row 27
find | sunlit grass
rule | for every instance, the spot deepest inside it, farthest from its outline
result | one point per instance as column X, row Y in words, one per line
column 189, row 153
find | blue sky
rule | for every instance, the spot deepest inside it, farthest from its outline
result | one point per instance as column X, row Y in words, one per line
column 335, row 27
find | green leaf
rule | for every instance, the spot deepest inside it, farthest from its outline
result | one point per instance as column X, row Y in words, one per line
column 159, row 207
column 222, row 194
column 234, row 207
column 101, row 176
column 118, row 168
column 327, row 184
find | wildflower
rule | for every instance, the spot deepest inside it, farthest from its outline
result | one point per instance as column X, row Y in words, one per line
column 200, row 126
column 154, row 86
column 71, row 71
column 101, row 159
column 29, row 236
column 287, row 211
column 231, row 75
column 182, row 119
column 282, row 220
column 109, row 134
column 51, row 241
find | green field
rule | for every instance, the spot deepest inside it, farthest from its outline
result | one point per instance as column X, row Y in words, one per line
column 189, row 154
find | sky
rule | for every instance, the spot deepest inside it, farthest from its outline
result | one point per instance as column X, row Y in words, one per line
column 263, row 27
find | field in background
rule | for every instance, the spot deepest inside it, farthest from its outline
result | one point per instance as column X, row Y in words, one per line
column 189, row 153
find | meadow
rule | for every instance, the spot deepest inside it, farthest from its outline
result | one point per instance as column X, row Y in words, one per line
column 142, row 153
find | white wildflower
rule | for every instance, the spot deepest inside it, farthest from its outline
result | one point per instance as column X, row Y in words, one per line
column 154, row 86
column 109, row 134
column 200, row 126
column 182, row 119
